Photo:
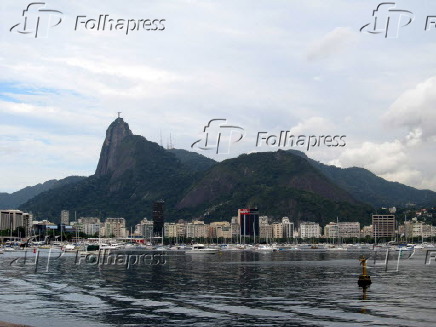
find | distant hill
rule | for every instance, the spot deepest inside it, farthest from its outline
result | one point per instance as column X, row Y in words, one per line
column 369, row 188
column 16, row 199
column 279, row 183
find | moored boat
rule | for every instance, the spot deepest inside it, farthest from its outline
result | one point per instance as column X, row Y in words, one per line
column 201, row 249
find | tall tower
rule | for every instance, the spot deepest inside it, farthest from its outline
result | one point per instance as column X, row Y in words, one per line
column 65, row 217
column 249, row 222
column 158, row 218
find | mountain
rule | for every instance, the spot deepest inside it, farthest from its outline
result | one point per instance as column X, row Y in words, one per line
column 371, row 189
column 279, row 183
column 14, row 200
column 132, row 172
column 193, row 160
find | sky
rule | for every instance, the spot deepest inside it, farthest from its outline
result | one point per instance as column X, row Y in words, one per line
column 306, row 68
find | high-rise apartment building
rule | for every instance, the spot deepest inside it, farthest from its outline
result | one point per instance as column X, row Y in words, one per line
column 65, row 217
column 158, row 218
column 383, row 226
column 249, row 222
column 310, row 230
column 114, row 227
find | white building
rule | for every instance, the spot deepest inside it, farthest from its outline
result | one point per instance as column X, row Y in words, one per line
column 342, row 230
column 146, row 228
column 89, row 225
column 197, row 229
column 170, row 230
column 310, row 230
column 277, row 230
column 288, row 228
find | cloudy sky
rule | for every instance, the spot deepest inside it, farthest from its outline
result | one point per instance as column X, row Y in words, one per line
column 263, row 65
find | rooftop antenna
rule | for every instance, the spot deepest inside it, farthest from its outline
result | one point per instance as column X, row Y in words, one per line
column 171, row 146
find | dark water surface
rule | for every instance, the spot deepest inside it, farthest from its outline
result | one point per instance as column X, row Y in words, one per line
column 230, row 289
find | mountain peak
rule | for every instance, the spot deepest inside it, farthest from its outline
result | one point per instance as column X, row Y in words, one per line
column 117, row 131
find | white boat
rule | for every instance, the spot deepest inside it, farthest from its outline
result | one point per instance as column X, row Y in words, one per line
column 266, row 248
column 201, row 249
column 69, row 248
column 112, row 246
column 10, row 249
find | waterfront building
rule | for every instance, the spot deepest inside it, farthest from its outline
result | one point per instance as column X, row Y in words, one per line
column 331, row 230
column 342, row 230
column 137, row 231
column 197, row 229
column 28, row 223
column 367, row 231
column 89, row 225
column 249, row 221
column 310, row 230
column 220, row 229
column 288, row 228
column 12, row 219
column 181, row 229
column 383, row 226
column 43, row 227
column 235, row 228
column 277, row 230
column 65, row 217
column 265, row 229
column 266, row 232
column 349, row 229
column 114, row 227
column 417, row 229
column 170, row 230
column 158, row 218
column 263, row 220
column 146, row 228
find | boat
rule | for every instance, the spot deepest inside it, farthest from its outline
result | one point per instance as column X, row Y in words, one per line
column 9, row 249
column 265, row 248
column 201, row 249
column 110, row 246
column 69, row 248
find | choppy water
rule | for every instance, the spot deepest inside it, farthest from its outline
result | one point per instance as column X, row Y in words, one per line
column 229, row 289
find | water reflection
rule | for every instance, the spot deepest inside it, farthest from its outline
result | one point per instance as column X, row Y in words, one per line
column 237, row 288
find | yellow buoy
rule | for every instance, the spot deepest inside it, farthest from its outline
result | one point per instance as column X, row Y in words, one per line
column 364, row 278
